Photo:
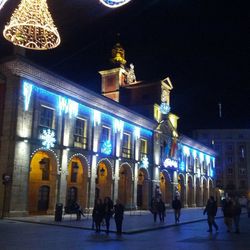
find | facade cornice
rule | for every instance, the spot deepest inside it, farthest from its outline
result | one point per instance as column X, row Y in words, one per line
column 56, row 83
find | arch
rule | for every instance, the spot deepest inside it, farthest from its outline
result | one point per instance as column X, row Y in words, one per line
column 198, row 192
column 205, row 191
column 142, row 188
column 190, row 191
column 181, row 187
column 125, row 185
column 166, row 187
column 104, row 177
column 44, row 169
column 77, row 180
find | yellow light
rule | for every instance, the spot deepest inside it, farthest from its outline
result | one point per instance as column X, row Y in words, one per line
column 31, row 26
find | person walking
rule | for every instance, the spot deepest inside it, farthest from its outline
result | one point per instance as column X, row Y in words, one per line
column 162, row 210
column 176, row 205
column 98, row 214
column 119, row 211
column 108, row 211
column 227, row 210
column 236, row 214
column 154, row 208
column 211, row 210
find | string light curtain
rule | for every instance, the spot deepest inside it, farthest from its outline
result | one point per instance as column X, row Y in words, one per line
column 31, row 26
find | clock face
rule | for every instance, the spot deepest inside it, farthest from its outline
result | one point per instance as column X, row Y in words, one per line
column 114, row 3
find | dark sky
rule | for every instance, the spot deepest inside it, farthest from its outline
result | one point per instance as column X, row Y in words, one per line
column 203, row 46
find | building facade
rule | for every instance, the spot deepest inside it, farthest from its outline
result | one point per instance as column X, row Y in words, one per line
column 61, row 142
column 233, row 158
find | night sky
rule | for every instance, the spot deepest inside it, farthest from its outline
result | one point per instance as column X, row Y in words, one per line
column 203, row 46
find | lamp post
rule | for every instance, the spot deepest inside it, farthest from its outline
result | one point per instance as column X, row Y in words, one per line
column 6, row 179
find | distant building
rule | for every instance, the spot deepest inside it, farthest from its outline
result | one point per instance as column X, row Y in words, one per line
column 233, row 158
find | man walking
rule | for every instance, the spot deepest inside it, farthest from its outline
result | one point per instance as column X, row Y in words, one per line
column 176, row 205
column 211, row 210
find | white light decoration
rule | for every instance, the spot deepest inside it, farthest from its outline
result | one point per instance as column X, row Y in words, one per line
column 97, row 118
column 2, row 3
column 48, row 138
column 68, row 106
column 194, row 152
column 207, row 159
column 170, row 163
column 118, row 126
column 186, row 150
column 137, row 133
column 145, row 161
column 201, row 156
column 165, row 108
column 27, row 90
column 114, row 3
column 31, row 26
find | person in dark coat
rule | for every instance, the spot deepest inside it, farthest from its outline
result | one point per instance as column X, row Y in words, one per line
column 119, row 211
column 98, row 214
column 236, row 214
column 176, row 205
column 227, row 210
column 154, row 208
column 211, row 210
column 162, row 210
column 108, row 211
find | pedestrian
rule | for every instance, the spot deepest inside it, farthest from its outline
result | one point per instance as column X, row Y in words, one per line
column 176, row 205
column 211, row 210
column 236, row 214
column 154, row 208
column 78, row 210
column 162, row 210
column 108, row 211
column 98, row 214
column 227, row 210
column 119, row 211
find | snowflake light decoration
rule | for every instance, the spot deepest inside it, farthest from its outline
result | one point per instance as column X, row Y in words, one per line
column 48, row 138
column 165, row 108
column 106, row 148
column 145, row 161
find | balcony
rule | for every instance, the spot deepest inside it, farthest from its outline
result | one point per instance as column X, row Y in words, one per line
column 80, row 142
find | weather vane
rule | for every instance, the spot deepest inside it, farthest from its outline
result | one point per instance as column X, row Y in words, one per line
column 114, row 3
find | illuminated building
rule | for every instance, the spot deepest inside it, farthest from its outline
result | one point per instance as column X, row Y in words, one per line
column 61, row 142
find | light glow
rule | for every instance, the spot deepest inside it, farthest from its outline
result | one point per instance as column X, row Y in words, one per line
column 67, row 106
column 118, row 126
column 170, row 163
column 207, row 159
column 97, row 118
column 137, row 133
column 165, row 108
column 201, row 156
column 48, row 138
column 186, row 150
column 194, row 152
column 106, row 148
column 27, row 90
column 114, row 3
column 145, row 162
column 2, row 3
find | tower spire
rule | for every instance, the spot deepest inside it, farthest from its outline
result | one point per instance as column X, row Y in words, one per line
column 118, row 53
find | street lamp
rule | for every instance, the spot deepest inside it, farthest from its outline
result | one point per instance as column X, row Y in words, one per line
column 6, row 179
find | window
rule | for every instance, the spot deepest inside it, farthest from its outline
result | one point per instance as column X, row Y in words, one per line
column 80, row 133
column 144, row 148
column 126, row 145
column 242, row 171
column 105, row 134
column 44, row 166
column 230, row 171
column 46, row 117
column 43, row 198
column 74, row 171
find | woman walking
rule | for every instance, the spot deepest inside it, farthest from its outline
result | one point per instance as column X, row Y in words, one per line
column 108, row 211
column 98, row 214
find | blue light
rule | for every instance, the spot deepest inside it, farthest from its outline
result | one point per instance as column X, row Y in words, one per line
column 165, row 108
column 48, row 138
column 67, row 106
column 114, row 3
column 182, row 166
column 106, row 148
column 27, row 90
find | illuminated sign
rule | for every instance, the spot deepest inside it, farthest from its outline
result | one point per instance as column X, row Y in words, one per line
column 114, row 3
column 170, row 163
column 48, row 138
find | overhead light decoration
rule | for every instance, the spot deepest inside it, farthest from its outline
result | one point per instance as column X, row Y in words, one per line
column 2, row 3
column 114, row 3
column 31, row 26
column 48, row 138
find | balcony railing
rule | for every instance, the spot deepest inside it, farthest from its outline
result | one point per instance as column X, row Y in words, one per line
column 80, row 141
column 126, row 153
